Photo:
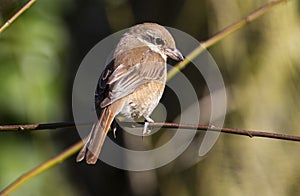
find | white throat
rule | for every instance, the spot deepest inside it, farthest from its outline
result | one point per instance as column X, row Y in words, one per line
column 154, row 48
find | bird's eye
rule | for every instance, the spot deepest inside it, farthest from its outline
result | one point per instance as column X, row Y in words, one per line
column 159, row 41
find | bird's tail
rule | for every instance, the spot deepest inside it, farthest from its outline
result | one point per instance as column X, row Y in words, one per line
column 96, row 138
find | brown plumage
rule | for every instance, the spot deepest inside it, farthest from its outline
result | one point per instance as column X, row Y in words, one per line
column 133, row 83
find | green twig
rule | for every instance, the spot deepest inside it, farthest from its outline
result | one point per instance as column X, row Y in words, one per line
column 14, row 17
column 42, row 167
column 222, row 34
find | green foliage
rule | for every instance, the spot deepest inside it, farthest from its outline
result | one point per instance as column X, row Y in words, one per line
column 31, row 90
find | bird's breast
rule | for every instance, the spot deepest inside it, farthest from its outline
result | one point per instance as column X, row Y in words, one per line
column 143, row 100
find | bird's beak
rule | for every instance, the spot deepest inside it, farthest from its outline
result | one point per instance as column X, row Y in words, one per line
column 174, row 54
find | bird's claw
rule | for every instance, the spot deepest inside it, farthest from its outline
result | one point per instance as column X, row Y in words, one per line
column 114, row 132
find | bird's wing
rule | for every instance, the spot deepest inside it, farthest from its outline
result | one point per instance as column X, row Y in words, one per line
column 102, row 89
column 146, row 66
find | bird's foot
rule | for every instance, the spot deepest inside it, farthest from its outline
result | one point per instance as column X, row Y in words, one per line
column 147, row 131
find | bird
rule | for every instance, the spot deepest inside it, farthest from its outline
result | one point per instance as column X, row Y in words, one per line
column 132, row 84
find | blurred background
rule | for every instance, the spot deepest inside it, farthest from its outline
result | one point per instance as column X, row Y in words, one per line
column 41, row 51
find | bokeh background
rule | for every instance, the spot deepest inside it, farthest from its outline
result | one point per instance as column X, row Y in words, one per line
column 41, row 51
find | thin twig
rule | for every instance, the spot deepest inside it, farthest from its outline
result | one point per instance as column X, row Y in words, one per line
column 14, row 17
column 42, row 167
column 31, row 127
column 222, row 34
column 73, row 149
column 250, row 133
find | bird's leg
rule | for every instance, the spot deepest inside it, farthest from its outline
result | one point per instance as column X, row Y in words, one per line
column 113, row 127
column 147, row 121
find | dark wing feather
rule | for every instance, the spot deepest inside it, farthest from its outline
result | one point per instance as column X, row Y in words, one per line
column 102, row 88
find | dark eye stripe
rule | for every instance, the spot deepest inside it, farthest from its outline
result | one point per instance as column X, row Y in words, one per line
column 149, row 37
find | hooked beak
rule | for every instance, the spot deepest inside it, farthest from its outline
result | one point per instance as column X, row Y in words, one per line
column 174, row 54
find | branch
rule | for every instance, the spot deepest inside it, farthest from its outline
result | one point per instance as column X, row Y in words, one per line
column 14, row 17
column 250, row 133
column 233, row 131
column 42, row 167
column 73, row 149
column 31, row 127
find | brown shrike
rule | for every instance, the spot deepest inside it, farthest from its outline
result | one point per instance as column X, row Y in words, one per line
column 132, row 84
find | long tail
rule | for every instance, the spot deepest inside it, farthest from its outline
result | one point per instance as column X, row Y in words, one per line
column 96, row 138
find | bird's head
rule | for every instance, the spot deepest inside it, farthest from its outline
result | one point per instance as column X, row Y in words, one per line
column 156, row 37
